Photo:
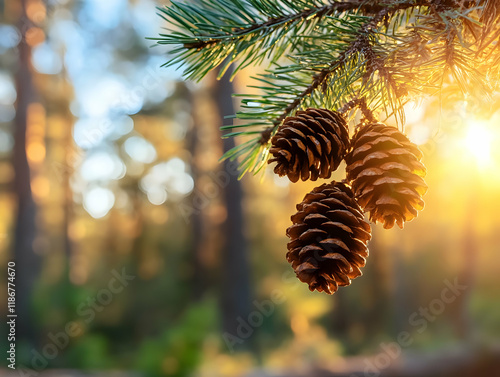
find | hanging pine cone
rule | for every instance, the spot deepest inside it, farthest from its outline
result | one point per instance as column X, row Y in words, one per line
column 386, row 174
column 310, row 145
column 329, row 238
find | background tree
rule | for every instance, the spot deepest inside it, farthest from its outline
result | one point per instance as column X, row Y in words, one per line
column 27, row 261
column 117, row 146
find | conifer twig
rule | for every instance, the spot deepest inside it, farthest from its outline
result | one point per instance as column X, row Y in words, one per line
column 370, row 54
column 358, row 45
column 361, row 104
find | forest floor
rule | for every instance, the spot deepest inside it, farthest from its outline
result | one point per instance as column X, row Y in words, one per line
column 463, row 361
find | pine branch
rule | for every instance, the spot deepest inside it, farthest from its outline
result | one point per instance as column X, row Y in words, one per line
column 216, row 32
column 451, row 57
column 386, row 71
column 370, row 54
column 325, row 81
column 361, row 103
column 304, row 15
column 359, row 44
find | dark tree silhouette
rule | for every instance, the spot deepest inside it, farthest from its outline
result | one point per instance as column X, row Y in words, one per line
column 234, row 269
column 28, row 263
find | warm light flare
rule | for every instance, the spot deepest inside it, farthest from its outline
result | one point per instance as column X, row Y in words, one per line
column 478, row 142
column 35, row 152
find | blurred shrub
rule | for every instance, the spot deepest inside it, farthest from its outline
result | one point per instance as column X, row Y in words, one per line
column 179, row 348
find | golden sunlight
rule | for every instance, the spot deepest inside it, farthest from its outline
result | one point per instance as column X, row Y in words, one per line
column 478, row 142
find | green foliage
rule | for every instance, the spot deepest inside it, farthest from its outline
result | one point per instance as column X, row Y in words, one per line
column 179, row 349
column 325, row 54
column 56, row 303
column 89, row 353
column 211, row 32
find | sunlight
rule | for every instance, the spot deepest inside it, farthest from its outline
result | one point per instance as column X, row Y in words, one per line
column 478, row 142
column 98, row 201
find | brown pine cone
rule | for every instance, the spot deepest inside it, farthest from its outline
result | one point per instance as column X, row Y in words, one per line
column 386, row 174
column 310, row 145
column 329, row 238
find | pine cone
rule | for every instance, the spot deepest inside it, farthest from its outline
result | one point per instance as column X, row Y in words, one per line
column 386, row 174
column 329, row 238
column 310, row 145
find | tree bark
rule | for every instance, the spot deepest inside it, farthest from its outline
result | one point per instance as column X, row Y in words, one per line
column 200, row 280
column 235, row 274
column 28, row 263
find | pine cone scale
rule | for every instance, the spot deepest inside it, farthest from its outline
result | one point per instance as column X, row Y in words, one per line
column 328, row 238
column 315, row 141
column 312, row 234
column 386, row 174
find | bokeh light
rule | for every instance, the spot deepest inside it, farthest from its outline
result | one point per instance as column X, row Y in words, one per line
column 478, row 142
column 98, row 201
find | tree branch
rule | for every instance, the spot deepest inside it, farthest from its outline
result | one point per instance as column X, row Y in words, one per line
column 361, row 104
column 309, row 14
column 358, row 45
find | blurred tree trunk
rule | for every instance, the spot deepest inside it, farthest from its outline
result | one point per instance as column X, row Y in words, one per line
column 28, row 263
column 64, row 108
column 380, row 301
column 138, row 242
column 234, row 273
column 200, row 280
column 401, row 305
column 340, row 315
column 350, row 312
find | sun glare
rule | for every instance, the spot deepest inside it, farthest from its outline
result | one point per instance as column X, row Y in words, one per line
column 478, row 142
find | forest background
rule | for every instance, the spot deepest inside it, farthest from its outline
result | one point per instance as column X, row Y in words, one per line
column 109, row 173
